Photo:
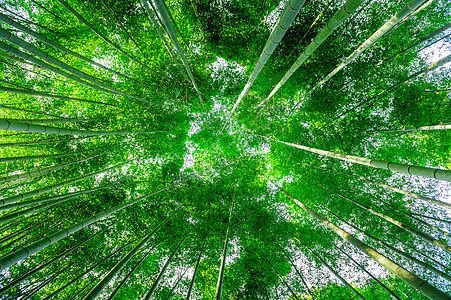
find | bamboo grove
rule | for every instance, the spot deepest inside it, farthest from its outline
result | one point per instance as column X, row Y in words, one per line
column 226, row 149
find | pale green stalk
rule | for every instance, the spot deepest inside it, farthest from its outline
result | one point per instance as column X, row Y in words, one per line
column 286, row 18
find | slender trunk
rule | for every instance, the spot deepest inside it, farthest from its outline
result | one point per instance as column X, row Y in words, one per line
column 41, row 94
column 164, row 17
column 58, row 185
column 124, row 280
column 36, row 35
column 425, row 38
column 58, row 197
column 32, row 174
column 41, row 142
column 176, row 284
column 430, row 127
column 103, row 37
column 353, row 290
column 223, row 261
column 400, row 252
column 293, row 294
column 394, row 296
column 337, row 19
column 402, row 225
column 411, row 6
column 432, row 218
column 298, row 272
column 20, row 254
column 423, row 71
column 190, row 288
column 53, row 60
column 24, row 158
column 317, row 18
column 58, row 291
column 286, row 18
column 17, row 126
column 152, row 18
column 53, row 121
column 163, row 270
column 396, row 167
column 44, row 265
column 96, row 290
column 26, row 110
column 422, row 286
column 32, row 292
column 397, row 190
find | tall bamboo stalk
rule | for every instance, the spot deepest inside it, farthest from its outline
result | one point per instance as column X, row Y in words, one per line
column 421, row 285
column 20, row 254
column 223, row 261
column 160, row 7
column 387, row 165
column 286, row 18
column 407, row 9
column 353, row 290
column 337, row 19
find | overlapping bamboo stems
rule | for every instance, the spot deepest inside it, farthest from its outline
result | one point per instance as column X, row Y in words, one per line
column 337, row 19
column 298, row 272
column 37, row 269
column 283, row 23
column 421, row 128
column 193, row 278
column 98, row 288
column 49, row 42
column 443, row 61
column 58, row 291
column 422, row 286
column 18, row 255
column 160, row 7
column 103, row 37
column 32, row 157
column 407, row 9
column 404, row 254
column 293, row 294
column 41, row 94
column 40, row 172
column 149, row 294
column 400, row 224
column 152, row 18
column 52, row 187
column 223, row 259
column 18, row 126
column 365, row 270
column 41, row 142
column 395, row 167
column 353, row 290
column 423, row 39
column 132, row 270
column 53, row 60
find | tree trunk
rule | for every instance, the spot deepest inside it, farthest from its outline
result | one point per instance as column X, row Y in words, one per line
column 160, row 275
column 103, row 37
column 41, row 142
column 223, row 261
column 159, row 5
column 95, row 291
column 41, row 94
column 400, row 252
column 58, row 185
column 396, row 167
column 337, row 19
column 17, row 126
column 293, row 294
column 188, row 294
column 353, row 290
column 5, row 19
column 20, row 254
column 422, row 286
column 286, row 18
column 411, row 6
